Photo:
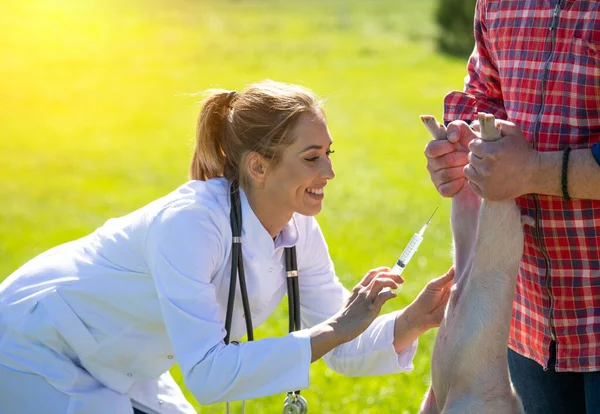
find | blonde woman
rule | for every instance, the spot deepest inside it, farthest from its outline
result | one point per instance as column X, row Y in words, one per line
column 94, row 325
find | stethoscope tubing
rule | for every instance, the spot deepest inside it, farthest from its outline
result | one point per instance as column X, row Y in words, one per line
column 237, row 267
column 237, row 270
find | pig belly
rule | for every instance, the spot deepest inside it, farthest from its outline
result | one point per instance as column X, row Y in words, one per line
column 469, row 361
column 469, row 365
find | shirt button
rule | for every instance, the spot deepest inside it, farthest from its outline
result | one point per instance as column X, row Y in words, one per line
column 129, row 374
column 170, row 356
column 270, row 269
column 160, row 402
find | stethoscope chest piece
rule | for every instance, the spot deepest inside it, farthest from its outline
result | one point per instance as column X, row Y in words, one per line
column 295, row 404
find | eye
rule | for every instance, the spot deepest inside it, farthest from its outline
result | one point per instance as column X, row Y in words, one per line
column 313, row 159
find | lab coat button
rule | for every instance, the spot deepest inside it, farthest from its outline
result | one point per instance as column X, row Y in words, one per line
column 129, row 374
column 170, row 356
column 160, row 402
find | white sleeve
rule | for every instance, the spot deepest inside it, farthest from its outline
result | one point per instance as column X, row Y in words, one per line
column 322, row 295
column 184, row 249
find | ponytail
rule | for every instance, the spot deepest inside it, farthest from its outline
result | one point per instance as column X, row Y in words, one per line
column 260, row 119
column 209, row 159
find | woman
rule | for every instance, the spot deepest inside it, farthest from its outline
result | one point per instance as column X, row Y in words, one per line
column 93, row 326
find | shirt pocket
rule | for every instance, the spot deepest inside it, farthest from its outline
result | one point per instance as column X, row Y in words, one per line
column 78, row 344
column 65, row 321
column 582, row 85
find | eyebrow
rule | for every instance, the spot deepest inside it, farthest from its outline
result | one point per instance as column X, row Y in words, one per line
column 314, row 146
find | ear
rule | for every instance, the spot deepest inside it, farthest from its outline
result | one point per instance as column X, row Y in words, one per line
column 257, row 167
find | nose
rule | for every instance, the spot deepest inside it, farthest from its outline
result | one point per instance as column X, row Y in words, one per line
column 328, row 172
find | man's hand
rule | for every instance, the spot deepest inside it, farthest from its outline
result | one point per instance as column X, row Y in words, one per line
column 503, row 169
column 446, row 159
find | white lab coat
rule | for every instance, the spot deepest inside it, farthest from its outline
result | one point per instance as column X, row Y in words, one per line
column 114, row 310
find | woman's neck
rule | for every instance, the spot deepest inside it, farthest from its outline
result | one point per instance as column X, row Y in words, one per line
column 268, row 213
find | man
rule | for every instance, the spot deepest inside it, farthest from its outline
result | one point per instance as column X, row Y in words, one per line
column 536, row 64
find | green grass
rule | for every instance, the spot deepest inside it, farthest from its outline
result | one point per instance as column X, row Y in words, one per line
column 97, row 117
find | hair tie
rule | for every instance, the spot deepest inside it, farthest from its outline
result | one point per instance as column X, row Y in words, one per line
column 230, row 98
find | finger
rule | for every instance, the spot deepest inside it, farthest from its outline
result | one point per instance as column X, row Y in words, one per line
column 441, row 306
column 507, row 128
column 456, row 158
column 440, row 283
column 382, row 298
column 473, row 158
column 448, row 174
column 475, row 188
column 371, row 274
column 450, row 188
column 377, row 285
column 471, row 173
column 477, row 148
column 475, row 126
column 435, row 149
column 395, row 277
column 459, row 132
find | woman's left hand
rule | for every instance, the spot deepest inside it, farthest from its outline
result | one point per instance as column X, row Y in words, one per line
column 425, row 312
column 428, row 307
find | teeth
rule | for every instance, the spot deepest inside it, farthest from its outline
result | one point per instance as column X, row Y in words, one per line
column 318, row 191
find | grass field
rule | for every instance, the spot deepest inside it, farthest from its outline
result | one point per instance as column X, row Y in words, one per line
column 97, row 118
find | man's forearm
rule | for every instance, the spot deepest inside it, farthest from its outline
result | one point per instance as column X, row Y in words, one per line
column 583, row 178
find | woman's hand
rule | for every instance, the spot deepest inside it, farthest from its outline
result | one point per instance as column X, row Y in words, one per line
column 359, row 311
column 425, row 312
column 429, row 306
column 365, row 303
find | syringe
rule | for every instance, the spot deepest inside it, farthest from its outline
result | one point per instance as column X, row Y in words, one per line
column 411, row 248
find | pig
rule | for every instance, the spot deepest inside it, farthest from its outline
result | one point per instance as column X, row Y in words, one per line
column 469, row 366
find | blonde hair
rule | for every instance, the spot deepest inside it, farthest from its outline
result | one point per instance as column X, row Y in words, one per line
column 260, row 119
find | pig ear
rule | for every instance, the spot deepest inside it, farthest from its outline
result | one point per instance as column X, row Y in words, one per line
column 527, row 221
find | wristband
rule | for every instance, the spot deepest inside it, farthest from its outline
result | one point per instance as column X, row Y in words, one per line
column 596, row 152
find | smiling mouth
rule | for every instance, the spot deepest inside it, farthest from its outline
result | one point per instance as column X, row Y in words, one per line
column 316, row 191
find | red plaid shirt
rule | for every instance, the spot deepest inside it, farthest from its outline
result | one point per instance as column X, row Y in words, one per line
column 537, row 64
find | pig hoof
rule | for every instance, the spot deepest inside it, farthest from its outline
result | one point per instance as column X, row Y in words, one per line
column 435, row 128
column 488, row 127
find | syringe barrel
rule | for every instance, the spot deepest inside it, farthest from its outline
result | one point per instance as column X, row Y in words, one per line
column 407, row 254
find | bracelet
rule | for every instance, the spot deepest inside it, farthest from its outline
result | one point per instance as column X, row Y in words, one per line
column 565, row 168
column 596, row 152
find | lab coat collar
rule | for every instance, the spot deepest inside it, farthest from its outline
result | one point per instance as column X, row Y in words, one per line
column 257, row 237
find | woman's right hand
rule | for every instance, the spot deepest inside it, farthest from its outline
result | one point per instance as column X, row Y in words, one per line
column 358, row 312
column 365, row 303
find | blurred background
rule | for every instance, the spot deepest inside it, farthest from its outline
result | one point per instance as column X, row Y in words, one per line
column 98, row 110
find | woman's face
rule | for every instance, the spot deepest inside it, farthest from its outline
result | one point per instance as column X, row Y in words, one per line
column 297, row 184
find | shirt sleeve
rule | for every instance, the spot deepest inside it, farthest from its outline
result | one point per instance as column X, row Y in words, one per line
column 184, row 250
column 483, row 92
column 322, row 295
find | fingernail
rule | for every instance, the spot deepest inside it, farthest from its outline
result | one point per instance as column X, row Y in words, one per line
column 452, row 135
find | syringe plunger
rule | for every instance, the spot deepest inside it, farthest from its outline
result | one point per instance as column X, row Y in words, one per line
column 407, row 254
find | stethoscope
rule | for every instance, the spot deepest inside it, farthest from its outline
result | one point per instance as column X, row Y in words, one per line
column 294, row 403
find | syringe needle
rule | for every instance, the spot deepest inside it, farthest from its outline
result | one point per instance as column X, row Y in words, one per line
column 428, row 221
column 411, row 248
